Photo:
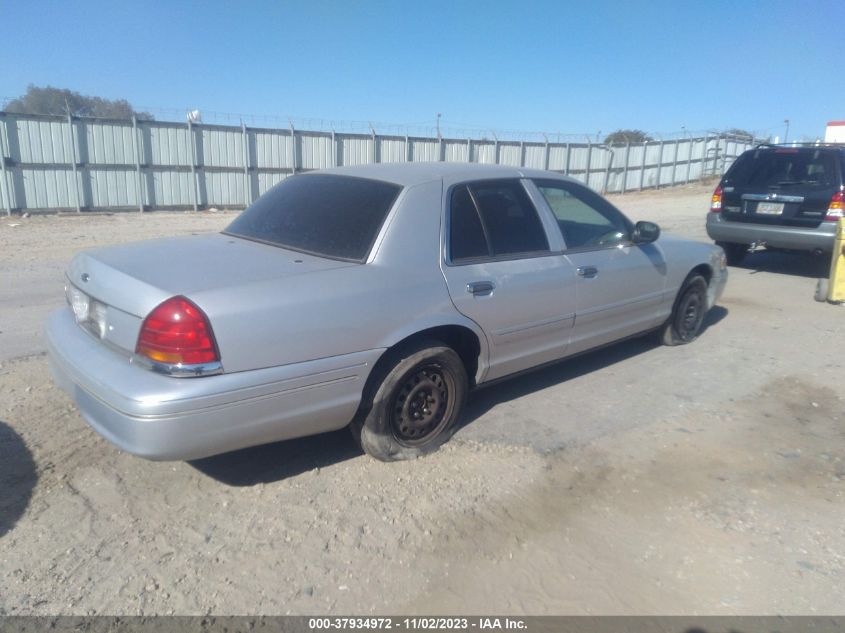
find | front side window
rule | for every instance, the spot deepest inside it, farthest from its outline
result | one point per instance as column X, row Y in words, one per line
column 585, row 219
column 494, row 219
column 321, row 214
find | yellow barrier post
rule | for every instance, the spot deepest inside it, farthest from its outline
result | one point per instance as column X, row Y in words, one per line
column 836, row 287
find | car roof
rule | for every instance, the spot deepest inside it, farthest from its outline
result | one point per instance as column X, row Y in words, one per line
column 409, row 174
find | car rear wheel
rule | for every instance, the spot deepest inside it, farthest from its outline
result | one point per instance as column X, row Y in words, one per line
column 684, row 325
column 419, row 393
column 734, row 252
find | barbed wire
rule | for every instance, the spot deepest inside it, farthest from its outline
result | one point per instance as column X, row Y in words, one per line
column 443, row 128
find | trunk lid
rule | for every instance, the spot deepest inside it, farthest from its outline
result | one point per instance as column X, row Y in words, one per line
column 116, row 287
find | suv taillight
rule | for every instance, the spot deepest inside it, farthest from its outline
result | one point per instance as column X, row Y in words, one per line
column 177, row 332
column 836, row 208
column 716, row 200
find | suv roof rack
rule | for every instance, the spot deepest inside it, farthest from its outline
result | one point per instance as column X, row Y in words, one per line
column 803, row 144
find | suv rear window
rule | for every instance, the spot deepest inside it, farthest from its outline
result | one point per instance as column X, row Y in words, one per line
column 784, row 167
column 321, row 214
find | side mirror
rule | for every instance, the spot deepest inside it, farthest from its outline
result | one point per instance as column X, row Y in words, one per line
column 645, row 232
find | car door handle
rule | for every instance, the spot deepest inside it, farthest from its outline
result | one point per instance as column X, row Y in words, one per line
column 480, row 288
column 587, row 272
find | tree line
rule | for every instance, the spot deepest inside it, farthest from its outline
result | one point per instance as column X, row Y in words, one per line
column 61, row 101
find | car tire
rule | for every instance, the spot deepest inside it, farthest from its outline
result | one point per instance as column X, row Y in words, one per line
column 684, row 325
column 416, row 395
column 734, row 252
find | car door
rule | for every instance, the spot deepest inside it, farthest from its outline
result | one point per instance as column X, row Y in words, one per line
column 503, row 273
column 620, row 284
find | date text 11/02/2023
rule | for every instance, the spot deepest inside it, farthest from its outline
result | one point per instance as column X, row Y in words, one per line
column 417, row 623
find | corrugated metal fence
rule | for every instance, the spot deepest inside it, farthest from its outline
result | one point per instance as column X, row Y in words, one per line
column 72, row 163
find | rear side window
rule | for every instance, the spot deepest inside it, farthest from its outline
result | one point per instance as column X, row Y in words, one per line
column 495, row 219
column 466, row 235
column 784, row 167
column 322, row 214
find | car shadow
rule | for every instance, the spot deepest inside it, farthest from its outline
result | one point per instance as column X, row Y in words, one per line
column 274, row 462
column 281, row 460
column 17, row 478
column 797, row 264
column 481, row 401
column 716, row 314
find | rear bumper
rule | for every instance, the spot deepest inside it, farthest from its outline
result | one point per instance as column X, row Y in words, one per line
column 819, row 238
column 164, row 418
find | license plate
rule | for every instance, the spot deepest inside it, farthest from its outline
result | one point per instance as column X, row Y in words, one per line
column 770, row 208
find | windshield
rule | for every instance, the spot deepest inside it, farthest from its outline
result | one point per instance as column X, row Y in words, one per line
column 783, row 168
column 320, row 214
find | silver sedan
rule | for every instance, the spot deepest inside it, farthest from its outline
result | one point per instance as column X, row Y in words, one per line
column 375, row 297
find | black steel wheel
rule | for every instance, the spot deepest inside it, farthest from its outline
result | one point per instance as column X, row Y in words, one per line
column 413, row 401
column 421, row 405
column 690, row 314
column 684, row 325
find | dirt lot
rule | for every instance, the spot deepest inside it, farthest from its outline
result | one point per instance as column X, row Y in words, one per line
column 706, row 479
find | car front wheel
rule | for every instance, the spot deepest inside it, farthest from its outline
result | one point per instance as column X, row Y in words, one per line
column 684, row 325
column 420, row 392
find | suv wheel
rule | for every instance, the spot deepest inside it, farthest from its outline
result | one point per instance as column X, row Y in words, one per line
column 734, row 253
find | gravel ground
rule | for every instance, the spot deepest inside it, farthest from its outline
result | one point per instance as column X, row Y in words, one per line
column 705, row 479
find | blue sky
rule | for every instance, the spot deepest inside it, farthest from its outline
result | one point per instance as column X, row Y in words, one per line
column 551, row 66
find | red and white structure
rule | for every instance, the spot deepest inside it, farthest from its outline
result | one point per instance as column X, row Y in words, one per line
column 834, row 132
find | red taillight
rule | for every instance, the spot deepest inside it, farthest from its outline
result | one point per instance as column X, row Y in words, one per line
column 716, row 200
column 836, row 208
column 177, row 333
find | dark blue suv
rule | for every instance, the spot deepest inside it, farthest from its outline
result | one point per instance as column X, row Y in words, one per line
column 787, row 197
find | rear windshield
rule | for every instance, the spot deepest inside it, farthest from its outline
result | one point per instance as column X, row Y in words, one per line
column 784, row 167
column 321, row 214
